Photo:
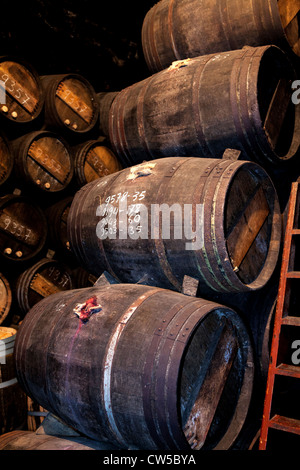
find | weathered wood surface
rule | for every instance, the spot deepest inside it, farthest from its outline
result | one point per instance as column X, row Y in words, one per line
column 201, row 106
column 142, row 379
column 178, row 30
column 112, row 225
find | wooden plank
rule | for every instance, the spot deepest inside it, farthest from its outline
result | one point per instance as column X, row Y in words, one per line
column 19, row 231
column 49, row 161
column 277, row 111
column 16, row 90
column 203, row 411
column 75, row 102
column 43, row 286
column 288, row 9
column 247, row 228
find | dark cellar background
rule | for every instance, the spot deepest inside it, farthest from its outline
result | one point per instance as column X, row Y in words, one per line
column 99, row 40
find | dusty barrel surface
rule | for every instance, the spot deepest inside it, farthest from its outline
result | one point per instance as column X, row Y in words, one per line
column 12, row 397
column 70, row 103
column 43, row 161
column 44, row 278
column 5, row 298
column 23, row 229
column 173, row 377
column 26, row 440
column 237, row 99
column 214, row 220
column 174, row 30
column 92, row 160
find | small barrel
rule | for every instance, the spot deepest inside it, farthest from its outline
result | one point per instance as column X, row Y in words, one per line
column 26, row 440
column 105, row 100
column 43, row 161
column 57, row 216
column 44, row 278
column 189, row 28
column 23, row 229
column 214, row 220
column 199, row 107
column 22, row 91
column 70, row 103
column 5, row 298
column 12, row 397
column 92, row 160
column 175, row 377
column 6, row 160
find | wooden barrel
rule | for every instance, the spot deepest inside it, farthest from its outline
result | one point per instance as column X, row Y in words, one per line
column 82, row 278
column 173, row 377
column 5, row 298
column 135, row 224
column 177, row 30
column 12, row 397
column 43, row 161
column 57, row 216
column 44, row 278
column 70, row 103
column 23, row 229
column 105, row 100
column 23, row 92
column 92, row 160
column 238, row 99
column 26, row 440
column 6, row 160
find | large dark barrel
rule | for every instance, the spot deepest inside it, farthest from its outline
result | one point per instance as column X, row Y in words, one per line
column 173, row 377
column 174, row 30
column 235, row 220
column 23, row 229
column 71, row 106
column 26, row 440
column 43, row 161
column 238, row 99
column 23, row 91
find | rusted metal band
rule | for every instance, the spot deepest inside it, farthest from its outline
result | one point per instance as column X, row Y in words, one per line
column 140, row 116
column 225, row 24
column 150, row 39
column 116, row 129
column 200, row 255
column 171, row 29
column 109, row 357
column 199, row 67
column 251, row 120
column 158, row 242
column 163, row 363
column 235, row 83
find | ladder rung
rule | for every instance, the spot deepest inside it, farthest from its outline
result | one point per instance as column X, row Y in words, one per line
column 293, row 274
column 292, row 321
column 288, row 370
column 296, row 231
column 281, row 423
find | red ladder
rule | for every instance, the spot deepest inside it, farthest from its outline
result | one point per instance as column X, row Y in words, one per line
column 283, row 318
